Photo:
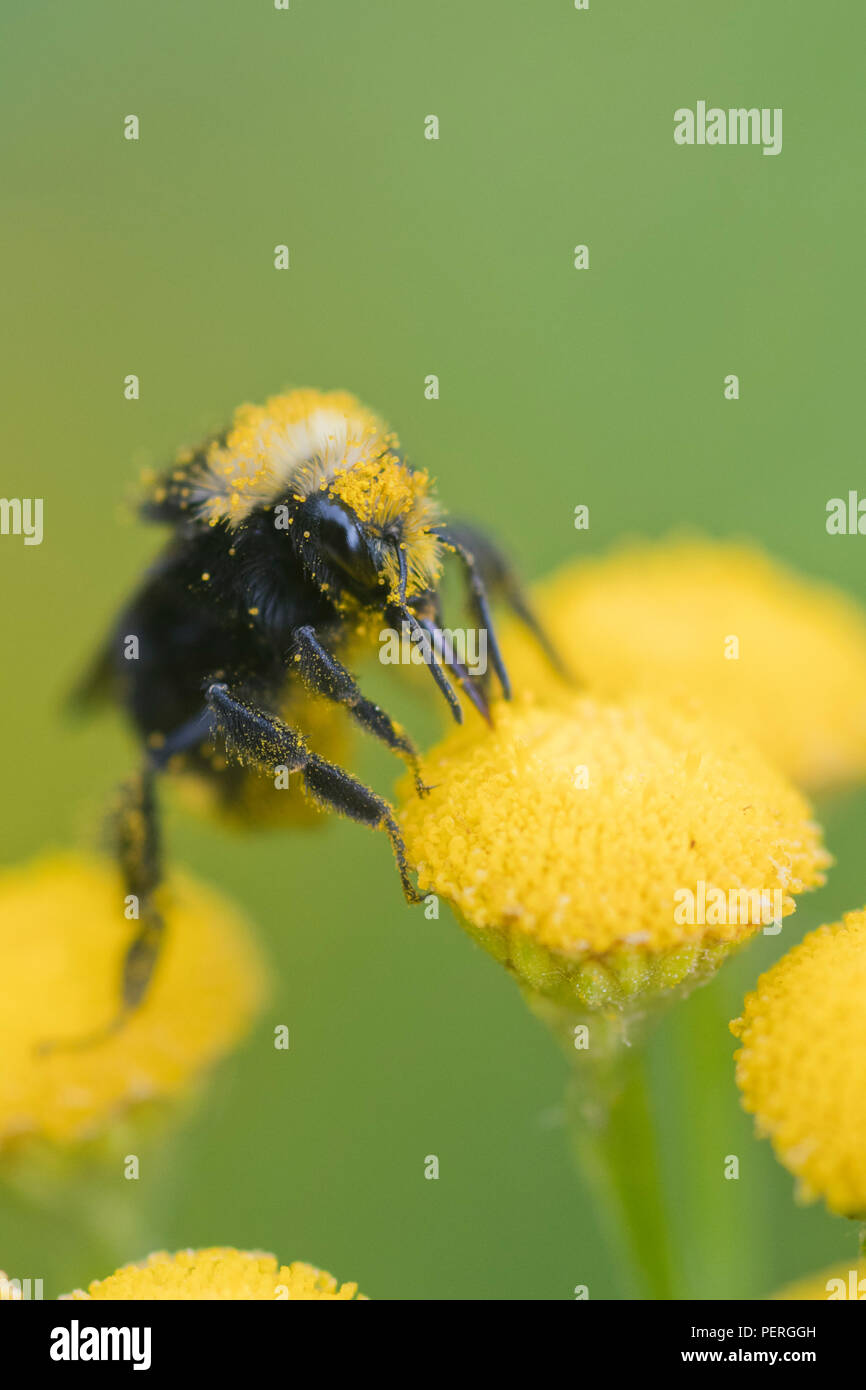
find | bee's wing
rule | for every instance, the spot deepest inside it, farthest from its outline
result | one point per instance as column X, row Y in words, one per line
column 98, row 685
column 165, row 497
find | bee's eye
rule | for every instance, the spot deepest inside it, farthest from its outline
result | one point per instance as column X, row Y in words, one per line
column 342, row 541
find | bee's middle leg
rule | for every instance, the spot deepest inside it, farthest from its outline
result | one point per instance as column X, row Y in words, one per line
column 324, row 675
column 264, row 741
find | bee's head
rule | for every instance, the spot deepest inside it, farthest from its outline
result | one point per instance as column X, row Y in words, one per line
column 365, row 527
column 367, row 534
column 370, row 536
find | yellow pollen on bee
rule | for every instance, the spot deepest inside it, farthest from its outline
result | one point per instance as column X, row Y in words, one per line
column 306, row 442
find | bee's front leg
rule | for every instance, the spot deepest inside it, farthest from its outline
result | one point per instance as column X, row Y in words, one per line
column 324, row 675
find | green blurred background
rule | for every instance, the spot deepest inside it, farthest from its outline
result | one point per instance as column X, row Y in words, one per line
column 411, row 257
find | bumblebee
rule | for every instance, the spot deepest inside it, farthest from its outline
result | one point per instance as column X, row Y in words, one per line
column 292, row 530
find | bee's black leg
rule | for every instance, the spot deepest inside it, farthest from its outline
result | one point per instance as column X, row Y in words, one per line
column 324, row 675
column 189, row 735
column 262, row 740
column 134, row 832
column 137, row 844
column 488, row 570
column 133, row 827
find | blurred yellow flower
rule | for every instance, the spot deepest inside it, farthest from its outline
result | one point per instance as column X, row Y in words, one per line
column 218, row 1273
column 802, row 1064
column 846, row 1281
column 604, row 850
column 781, row 656
column 63, row 934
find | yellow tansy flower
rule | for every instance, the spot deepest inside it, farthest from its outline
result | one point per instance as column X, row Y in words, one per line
column 846, row 1281
column 63, row 934
column 604, row 850
column 802, row 1064
column 218, row 1273
column 781, row 656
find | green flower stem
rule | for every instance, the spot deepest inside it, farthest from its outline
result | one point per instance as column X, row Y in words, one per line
column 617, row 1155
column 861, row 1245
column 98, row 1229
column 103, row 1219
column 614, row 1141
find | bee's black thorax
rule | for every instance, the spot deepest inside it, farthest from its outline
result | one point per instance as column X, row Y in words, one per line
column 217, row 604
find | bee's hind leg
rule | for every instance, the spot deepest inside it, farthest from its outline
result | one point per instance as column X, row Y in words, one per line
column 134, row 832
column 137, row 844
column 264, row 741
column 134, row 838
column 135, row 827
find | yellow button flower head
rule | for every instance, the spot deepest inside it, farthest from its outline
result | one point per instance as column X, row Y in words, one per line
column 219, row 1273
column 62, row 938
column 603, row 850
column 781, row 656
column 802, row 1065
